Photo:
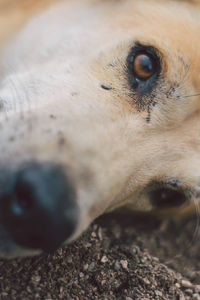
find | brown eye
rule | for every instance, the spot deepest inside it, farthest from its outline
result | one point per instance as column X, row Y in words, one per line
column 144, row 66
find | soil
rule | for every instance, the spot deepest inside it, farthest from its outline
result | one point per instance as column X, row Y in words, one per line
column 120, row 257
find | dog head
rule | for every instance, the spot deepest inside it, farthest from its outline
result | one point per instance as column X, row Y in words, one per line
column 99, row 108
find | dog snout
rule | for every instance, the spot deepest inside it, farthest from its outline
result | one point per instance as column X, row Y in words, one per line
column 38, row 207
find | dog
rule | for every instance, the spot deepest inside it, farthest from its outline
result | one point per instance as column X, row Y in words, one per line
column 99, row 109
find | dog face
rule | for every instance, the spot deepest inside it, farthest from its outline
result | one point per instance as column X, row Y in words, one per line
column 99, row 108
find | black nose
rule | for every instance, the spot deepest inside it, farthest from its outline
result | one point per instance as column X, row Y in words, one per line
column 38, row 208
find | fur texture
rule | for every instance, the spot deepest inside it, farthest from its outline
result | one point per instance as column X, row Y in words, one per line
column 65, row 97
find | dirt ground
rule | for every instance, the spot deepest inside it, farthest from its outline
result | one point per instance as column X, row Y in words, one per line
column 120, row 257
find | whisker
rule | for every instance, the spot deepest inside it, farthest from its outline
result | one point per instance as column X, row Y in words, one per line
column 197, row 228
column 171, row 97
column 188, row 96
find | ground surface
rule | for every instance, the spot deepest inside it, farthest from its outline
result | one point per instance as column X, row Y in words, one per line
column 117, row 258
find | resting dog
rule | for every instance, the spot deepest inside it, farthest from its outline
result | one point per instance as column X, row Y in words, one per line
column 99, row 108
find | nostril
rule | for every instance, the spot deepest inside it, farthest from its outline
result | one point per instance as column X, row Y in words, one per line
column 23, row 201
column 39, row 208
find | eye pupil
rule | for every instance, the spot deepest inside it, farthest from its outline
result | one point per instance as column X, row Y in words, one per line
column 144, row 66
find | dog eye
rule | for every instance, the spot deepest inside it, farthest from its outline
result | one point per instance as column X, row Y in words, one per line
column 144, row 66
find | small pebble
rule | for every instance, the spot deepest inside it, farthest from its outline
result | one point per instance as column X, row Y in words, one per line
column 85, row 267
column 186, row 284
column 91, row 266
column 158, row 293
column 197, row 288
column 189, row 291
column 146, row 281
column 69, row 260
column 104, row 259
column 117, row 266
column 36, row 278
column 93, row 234
column 124, row 264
